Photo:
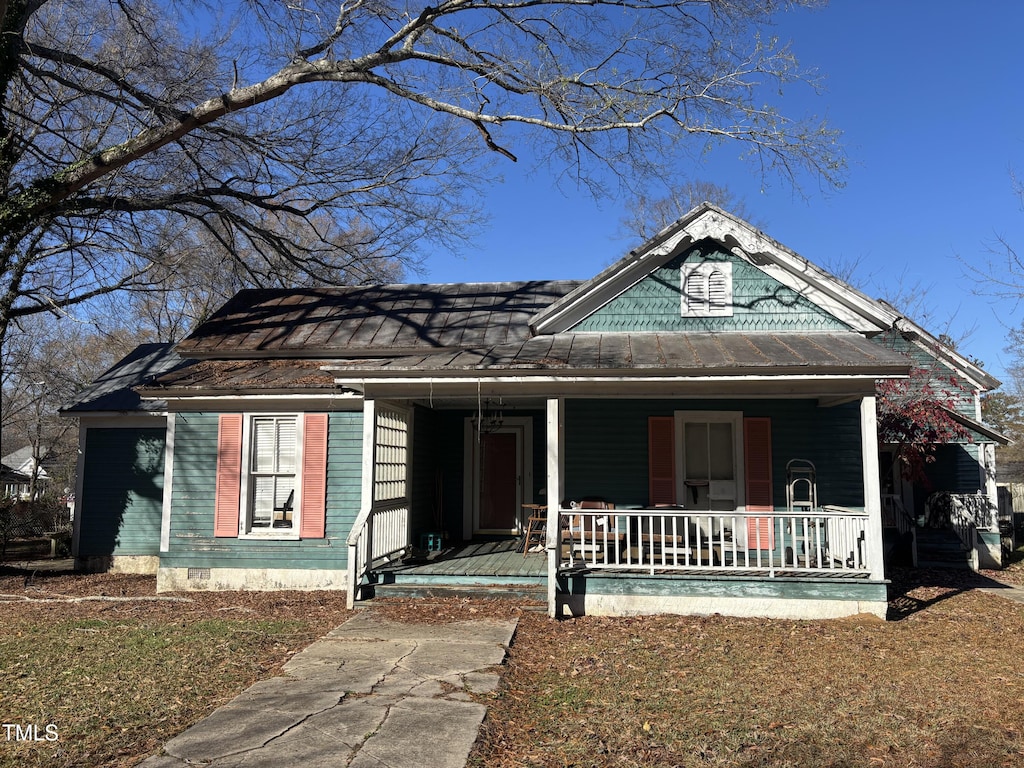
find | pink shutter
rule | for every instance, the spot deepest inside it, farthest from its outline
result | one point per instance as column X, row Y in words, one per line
column 661, row 460
column 757, row 459
column 313, row 504
column 229, row 475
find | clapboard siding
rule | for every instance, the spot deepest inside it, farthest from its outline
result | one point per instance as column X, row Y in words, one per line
column 606, row 445
column 192, row 543
column 122, row 492
column 760, row 302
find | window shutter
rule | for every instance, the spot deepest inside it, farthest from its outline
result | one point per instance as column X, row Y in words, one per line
column 717, row 292
column 661, row 460
column 757, row 460
column 229, row 475
column 313, row 515
column 695, row 294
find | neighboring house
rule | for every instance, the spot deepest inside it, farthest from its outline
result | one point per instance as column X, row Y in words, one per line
column 15, row 483
column 714, row 387
column 27, row 462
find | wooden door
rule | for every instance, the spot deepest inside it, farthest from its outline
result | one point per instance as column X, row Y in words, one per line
column 499, row 487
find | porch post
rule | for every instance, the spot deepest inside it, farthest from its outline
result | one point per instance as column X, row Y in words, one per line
column 872, row 487
column 987, row 456
column 555, row 493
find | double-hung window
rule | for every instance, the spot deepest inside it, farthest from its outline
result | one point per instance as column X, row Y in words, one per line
column 273, row 464
column 271, row 476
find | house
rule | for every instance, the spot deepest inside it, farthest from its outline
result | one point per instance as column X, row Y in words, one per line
column 26, row 463
column 695, row 427
column 15, row 483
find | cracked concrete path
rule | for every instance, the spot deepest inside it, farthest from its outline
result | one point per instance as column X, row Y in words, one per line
column 373, row 693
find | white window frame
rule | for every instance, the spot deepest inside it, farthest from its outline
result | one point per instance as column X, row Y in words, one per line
column 703, row 272
column 245, row 529
column 682, row 418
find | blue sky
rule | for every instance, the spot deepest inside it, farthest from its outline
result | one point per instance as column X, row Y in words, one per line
column 929, row 97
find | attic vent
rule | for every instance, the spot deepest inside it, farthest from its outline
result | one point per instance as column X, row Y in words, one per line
column 707, row 289
column 198, row 573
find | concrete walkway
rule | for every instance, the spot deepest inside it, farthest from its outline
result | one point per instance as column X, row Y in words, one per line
column 371, row 694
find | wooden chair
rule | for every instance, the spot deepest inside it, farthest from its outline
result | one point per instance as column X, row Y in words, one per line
column 536, row 527
column 590, row 535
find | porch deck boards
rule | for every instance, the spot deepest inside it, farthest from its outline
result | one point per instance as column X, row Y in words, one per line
column 484, row 558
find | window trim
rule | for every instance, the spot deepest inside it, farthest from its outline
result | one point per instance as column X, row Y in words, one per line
column 704, row 270
column 705, row 417
column 245, row 530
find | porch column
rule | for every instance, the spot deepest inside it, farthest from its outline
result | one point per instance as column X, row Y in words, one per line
column 987, row 456
column 555, row 492
column 872, row 488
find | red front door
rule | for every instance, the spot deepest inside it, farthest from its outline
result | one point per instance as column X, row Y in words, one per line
column 499, row 482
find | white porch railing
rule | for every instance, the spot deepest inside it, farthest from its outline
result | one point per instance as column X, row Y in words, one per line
column 383, row 533
column 828, row 540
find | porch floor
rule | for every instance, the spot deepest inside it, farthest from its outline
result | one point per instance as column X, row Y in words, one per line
column 491, row 561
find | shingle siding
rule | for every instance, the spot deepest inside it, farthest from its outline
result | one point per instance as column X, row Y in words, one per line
column 760, row 303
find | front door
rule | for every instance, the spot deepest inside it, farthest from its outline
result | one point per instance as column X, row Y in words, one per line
column 500, row 477
column 498, row 503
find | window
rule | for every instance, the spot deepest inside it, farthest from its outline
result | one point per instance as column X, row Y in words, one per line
column 271, row 476
column 706, row 289
column 710, row 460
column 272, row 467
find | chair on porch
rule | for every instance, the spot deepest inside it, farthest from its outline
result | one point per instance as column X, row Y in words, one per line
column 590, row 535
column 536, row 528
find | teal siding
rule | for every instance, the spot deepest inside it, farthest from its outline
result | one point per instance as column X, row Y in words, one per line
column 956, row 469
column 192, row 543
column 606, row 446
column 760, row 303
column 122, row 492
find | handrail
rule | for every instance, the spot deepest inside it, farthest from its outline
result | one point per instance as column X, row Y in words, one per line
column 377, row 535
column 826, row 540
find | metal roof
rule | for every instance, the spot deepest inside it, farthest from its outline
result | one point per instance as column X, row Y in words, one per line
column 386, row 320
column 114, row 390
column 287, row 375
column 691, row 353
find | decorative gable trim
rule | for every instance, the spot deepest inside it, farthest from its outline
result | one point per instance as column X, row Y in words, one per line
column 738, row 237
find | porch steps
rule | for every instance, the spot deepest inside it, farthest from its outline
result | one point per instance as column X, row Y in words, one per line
column 940, row 548
column 531, row 596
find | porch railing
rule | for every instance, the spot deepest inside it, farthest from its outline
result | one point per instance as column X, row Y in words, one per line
column 382, row 533
column 829, row 540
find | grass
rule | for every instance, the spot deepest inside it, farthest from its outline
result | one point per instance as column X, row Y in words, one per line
column 117, row 680
column 941, row 685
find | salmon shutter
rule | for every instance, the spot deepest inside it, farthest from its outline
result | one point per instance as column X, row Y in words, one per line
column 757, row 459
column 661, row 460
column 313, row 511
column 229, row 475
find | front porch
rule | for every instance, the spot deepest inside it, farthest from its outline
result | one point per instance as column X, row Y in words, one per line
column 694, row 516
column 650, row 561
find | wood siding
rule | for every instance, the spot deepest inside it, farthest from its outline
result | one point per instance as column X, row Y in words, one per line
column 122, row 492
column 192, row 543
column 606, row 452
column 759, row 302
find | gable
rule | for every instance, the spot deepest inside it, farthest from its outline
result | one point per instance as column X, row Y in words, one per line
column 759, row 302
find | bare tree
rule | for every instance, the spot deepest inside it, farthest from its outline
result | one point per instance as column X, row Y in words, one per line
column 125, row 122
column 646, row 215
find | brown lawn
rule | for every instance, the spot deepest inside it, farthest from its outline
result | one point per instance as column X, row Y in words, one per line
column 941, row 684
